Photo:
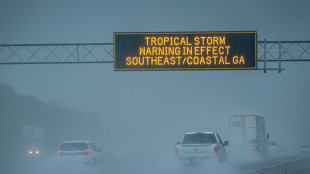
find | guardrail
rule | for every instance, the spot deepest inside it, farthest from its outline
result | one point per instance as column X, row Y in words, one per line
column 298, row 166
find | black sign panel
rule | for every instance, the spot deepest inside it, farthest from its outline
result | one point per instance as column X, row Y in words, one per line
column 185, row 51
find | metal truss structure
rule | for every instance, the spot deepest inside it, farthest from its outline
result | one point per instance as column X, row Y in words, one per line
column 281, row 51
column 268, row 52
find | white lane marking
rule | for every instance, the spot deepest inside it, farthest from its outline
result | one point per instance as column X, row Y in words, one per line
column 275, row 165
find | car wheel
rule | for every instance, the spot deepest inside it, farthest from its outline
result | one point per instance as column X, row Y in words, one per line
column 222, row 158
column 191, row 161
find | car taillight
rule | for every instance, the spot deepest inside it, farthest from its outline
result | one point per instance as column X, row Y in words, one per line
column 254, row 147
column 216, row 150
column 88, row 152
column 58, row 153
column 176, row 151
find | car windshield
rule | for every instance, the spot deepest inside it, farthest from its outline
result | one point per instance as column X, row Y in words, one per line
column 73, row 146
column 199, row 138
column 271, row 143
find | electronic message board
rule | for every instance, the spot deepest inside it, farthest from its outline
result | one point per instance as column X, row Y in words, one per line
column 185, row 50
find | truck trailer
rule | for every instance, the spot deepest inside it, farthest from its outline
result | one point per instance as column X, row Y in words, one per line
column 247, row 131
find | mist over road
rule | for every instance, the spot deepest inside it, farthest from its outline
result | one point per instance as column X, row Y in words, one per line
column 163, row 165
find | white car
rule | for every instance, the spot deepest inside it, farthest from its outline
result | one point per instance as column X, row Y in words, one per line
column 304, row 149
column 197, row 146
column 273, row 148
column 33, row 153
column 79, row 151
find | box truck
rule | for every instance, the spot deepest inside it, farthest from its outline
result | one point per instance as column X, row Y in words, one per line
column 247, row 131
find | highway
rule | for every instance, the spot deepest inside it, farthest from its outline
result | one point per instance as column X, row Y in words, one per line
column 165, row 165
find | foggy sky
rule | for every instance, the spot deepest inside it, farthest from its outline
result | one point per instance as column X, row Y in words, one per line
column 175, row 101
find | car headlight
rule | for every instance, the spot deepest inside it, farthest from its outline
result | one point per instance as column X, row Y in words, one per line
column 37, row 152
column 30, row 152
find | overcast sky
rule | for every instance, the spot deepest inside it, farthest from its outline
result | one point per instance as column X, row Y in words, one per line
column 181, row 100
